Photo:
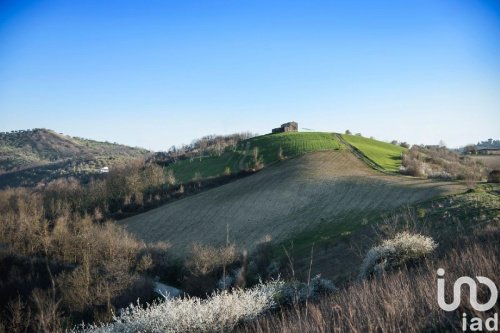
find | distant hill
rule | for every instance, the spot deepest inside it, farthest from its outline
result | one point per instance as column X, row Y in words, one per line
column 30, row 156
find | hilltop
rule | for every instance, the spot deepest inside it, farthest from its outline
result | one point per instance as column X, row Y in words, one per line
column 264, row 149
column 30, row 156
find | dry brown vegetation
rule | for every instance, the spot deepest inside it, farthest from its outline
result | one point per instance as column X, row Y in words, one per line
column 492, row 162
column 404, row 301
column 209, row 145
column 62, row 264
column 442, row 163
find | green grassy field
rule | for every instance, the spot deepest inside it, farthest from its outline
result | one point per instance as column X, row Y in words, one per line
column 293, row 144
column 386, row 155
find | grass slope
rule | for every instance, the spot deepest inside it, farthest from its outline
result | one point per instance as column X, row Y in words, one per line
column 293, row 144
column 385, row 155
column 333, row 190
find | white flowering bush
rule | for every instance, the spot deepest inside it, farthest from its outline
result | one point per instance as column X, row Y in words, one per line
column 396, row 252
column 219, row 312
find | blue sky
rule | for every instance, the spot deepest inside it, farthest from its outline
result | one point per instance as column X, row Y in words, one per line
column 158, row 73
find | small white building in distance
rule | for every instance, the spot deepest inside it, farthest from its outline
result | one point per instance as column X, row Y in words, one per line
column 104, row 170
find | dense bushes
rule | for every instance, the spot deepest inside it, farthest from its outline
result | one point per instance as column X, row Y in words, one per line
column 58, row 248
column 440, row 163
column 210, row 145
column 126, row 188
column 60, row 258
column 208, row 268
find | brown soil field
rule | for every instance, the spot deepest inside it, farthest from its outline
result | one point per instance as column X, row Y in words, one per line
column 282, row 200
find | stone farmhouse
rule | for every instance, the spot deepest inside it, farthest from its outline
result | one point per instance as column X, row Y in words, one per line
column 291, row 126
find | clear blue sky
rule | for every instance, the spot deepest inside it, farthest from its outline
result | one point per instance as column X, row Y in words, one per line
column 158, row 73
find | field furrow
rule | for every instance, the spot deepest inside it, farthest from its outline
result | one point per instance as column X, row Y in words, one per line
column 282, row 200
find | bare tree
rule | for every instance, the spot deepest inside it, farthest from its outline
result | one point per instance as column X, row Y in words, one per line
column 257, row 160
column 281, row 157
column 171, row 177
column 470, row 149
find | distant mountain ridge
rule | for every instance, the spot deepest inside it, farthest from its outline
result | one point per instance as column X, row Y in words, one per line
column 30, row 156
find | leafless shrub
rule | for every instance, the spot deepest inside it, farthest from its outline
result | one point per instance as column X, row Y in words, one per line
column 257, row 160
column 48, row 317
column 205, row 259
column 171, row 177
column 470, row 180
column 413, row 168
column 441, row 163
column 19, row 316
column 281, row 156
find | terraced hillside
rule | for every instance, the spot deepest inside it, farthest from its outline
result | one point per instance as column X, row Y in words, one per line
column 329, row 189
column 292, row 144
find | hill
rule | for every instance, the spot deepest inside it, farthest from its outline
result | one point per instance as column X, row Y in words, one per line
column 27, row 157
column 331, row 190
column 233, row 160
